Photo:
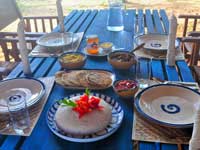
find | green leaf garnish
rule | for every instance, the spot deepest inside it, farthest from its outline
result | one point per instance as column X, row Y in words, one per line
column 67, row 102
column 87, row 91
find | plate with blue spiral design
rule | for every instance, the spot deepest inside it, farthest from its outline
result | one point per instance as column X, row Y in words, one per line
column 117, row 117
column 168, row 105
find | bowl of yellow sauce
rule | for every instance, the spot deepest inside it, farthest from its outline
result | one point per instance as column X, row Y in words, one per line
column 72, row 60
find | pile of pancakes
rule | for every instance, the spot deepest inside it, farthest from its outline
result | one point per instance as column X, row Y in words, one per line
column 93, row 79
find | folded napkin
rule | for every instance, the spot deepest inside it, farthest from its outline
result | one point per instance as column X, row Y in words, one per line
column 171, row 52
column 195, row 140
column 60, row 15
column 23, row 48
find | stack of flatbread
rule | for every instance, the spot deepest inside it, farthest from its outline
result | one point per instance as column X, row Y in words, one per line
column 92, row 79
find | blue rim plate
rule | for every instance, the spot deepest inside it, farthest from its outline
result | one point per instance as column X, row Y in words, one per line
column 24, row 87
column 176, row 108
column 117, row 117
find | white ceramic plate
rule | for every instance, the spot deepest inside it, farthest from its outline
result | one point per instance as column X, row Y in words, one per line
column 101, row 52
column 14, row 89
column 117, row 117
column 154, row 42
column 168, row 104
column 55, row 39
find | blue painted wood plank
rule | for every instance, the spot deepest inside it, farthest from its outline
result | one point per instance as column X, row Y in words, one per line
column 2, row 139
column 149, row 21
column 73, row 20
column 88, row 21
column 17, row 71
column 122, row 39
column 81, row 20
column 147, row 146
column 157, row 22
column 35, row 64
column 129, row 24
column 165, row 20
column 11, row 143
column 157, row 69
column 185, row 147
column 45, row 67
column 184, row 71
column 56, row 67
column 66, row 20
column 140, row 22
column 171, row 72
column 169, row 147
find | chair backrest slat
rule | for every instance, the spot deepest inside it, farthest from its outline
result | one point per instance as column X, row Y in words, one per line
column 41, row 23
column 9, row 44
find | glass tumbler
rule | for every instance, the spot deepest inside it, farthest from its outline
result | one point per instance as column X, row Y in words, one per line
column 19, row 114
column 143, row 72
column 115, row 20
column 69, row 41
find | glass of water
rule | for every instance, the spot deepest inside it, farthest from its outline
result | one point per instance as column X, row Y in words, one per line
column 115, row 20
column 143, row 72
column 19, row 114
column 69, row 41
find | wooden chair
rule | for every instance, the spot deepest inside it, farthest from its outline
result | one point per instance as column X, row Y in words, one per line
column 40, row 24
column 191, row 40
column 10, row 48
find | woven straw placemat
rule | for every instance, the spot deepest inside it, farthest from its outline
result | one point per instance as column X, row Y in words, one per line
column 144, row 130
column 34, row 111
column 40, row 51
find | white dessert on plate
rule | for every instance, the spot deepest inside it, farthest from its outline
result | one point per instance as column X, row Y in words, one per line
column 69, row 121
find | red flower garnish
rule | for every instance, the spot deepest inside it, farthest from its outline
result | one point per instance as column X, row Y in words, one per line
column 86, row 104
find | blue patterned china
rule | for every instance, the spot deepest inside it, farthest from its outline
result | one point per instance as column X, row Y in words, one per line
column 117, row 117
column 168, row 105
column 154, row 42
column 20, row 88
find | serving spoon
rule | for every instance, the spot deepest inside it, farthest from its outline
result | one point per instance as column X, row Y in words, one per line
column 137, row 48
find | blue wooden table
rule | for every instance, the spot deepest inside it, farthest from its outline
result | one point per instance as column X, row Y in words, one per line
column 94, row 22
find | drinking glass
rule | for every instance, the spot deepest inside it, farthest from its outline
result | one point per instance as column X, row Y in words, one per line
column 143, row 72
column 69, row 41
column 18, row 111
column 115, row 20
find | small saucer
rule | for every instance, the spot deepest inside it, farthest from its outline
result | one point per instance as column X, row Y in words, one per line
column 101, row 53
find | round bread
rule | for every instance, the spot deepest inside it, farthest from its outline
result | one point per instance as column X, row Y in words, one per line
column 68, row 120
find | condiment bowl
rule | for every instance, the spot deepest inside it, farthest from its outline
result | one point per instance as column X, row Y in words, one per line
column 126, row 88
column 106, row 46
column 121, row 59
column 72, row 60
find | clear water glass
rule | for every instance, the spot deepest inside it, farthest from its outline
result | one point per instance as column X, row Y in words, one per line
column 69, row 39
column 115, row 20
column 19, row 114
column 143, row 72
